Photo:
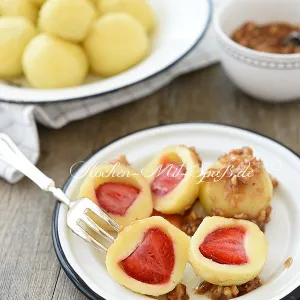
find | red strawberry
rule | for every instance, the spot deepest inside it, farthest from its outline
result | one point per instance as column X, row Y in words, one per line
column 115, row 197
column 225, row 246
column 153, row 260
column 167, row 178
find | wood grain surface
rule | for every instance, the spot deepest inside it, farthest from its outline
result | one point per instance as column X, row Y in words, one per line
column 29, row 269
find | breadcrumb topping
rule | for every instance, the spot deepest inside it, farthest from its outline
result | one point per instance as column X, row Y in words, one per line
column 190, row 223
column 217, row 292
column 179, row 293
column 274, row 182
column 288, row 263
column 238, row 166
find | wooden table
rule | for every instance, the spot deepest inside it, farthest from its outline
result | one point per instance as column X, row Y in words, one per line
column 28, row 265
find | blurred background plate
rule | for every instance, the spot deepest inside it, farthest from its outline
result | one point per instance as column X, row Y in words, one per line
column 180, row 27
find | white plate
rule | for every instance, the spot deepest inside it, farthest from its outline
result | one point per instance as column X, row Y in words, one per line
column 179, row 28
column 86, row 267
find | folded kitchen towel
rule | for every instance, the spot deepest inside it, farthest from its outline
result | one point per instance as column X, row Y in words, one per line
column 19, row 121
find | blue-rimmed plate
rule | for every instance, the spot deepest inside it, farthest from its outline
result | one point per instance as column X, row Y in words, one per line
column 180, row 27
column 85, row 266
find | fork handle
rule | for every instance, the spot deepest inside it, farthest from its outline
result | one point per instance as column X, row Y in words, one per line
column 11, row 154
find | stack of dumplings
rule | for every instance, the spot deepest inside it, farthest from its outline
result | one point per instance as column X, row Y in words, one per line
column 55, row 43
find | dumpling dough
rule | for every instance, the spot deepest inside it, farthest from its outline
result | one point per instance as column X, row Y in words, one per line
column 93, row 2
column 15, row 34
column 38, row 2
column 149, row 256
column 19, row 8
column 115, row 43
column 68, row 19
column 50, row 63
column 227, row 251
column 139, row 9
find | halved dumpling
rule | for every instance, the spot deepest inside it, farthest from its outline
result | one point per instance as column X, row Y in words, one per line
column 237, row 186
column 173, row 175
column 122, row 192
column 228, row 251
column 149, row 256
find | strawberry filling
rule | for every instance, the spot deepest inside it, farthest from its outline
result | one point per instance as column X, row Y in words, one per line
column 116, row 197
column 168, row 177
column 153, row 260
column 225, row 246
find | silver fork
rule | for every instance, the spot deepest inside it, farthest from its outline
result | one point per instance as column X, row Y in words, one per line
column 78, row 214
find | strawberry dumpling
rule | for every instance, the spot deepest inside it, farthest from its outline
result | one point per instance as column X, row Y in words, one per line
column 228, row 251
column 149, row 256
column 122, row 192
column 173, row 176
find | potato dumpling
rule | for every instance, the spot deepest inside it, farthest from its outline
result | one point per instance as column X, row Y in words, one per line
column 50, row 62
column 115, row 43
column 15, row 34
column 19, row 8
column 139, row 9
column 38, row 2
column 237, row 186
column 68, row 19
column 93, row 2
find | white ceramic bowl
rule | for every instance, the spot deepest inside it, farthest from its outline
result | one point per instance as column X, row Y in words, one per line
column 86, row 267
column 179, row 28
column 270, row 77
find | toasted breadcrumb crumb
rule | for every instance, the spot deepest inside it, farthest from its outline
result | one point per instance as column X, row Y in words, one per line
column 216, row 292
column 190, row 223
column 179, row 293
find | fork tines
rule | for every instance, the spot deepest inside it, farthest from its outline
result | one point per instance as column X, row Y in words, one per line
column 86, row 221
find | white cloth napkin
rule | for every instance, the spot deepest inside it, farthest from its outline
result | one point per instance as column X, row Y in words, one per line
column 19, row 121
